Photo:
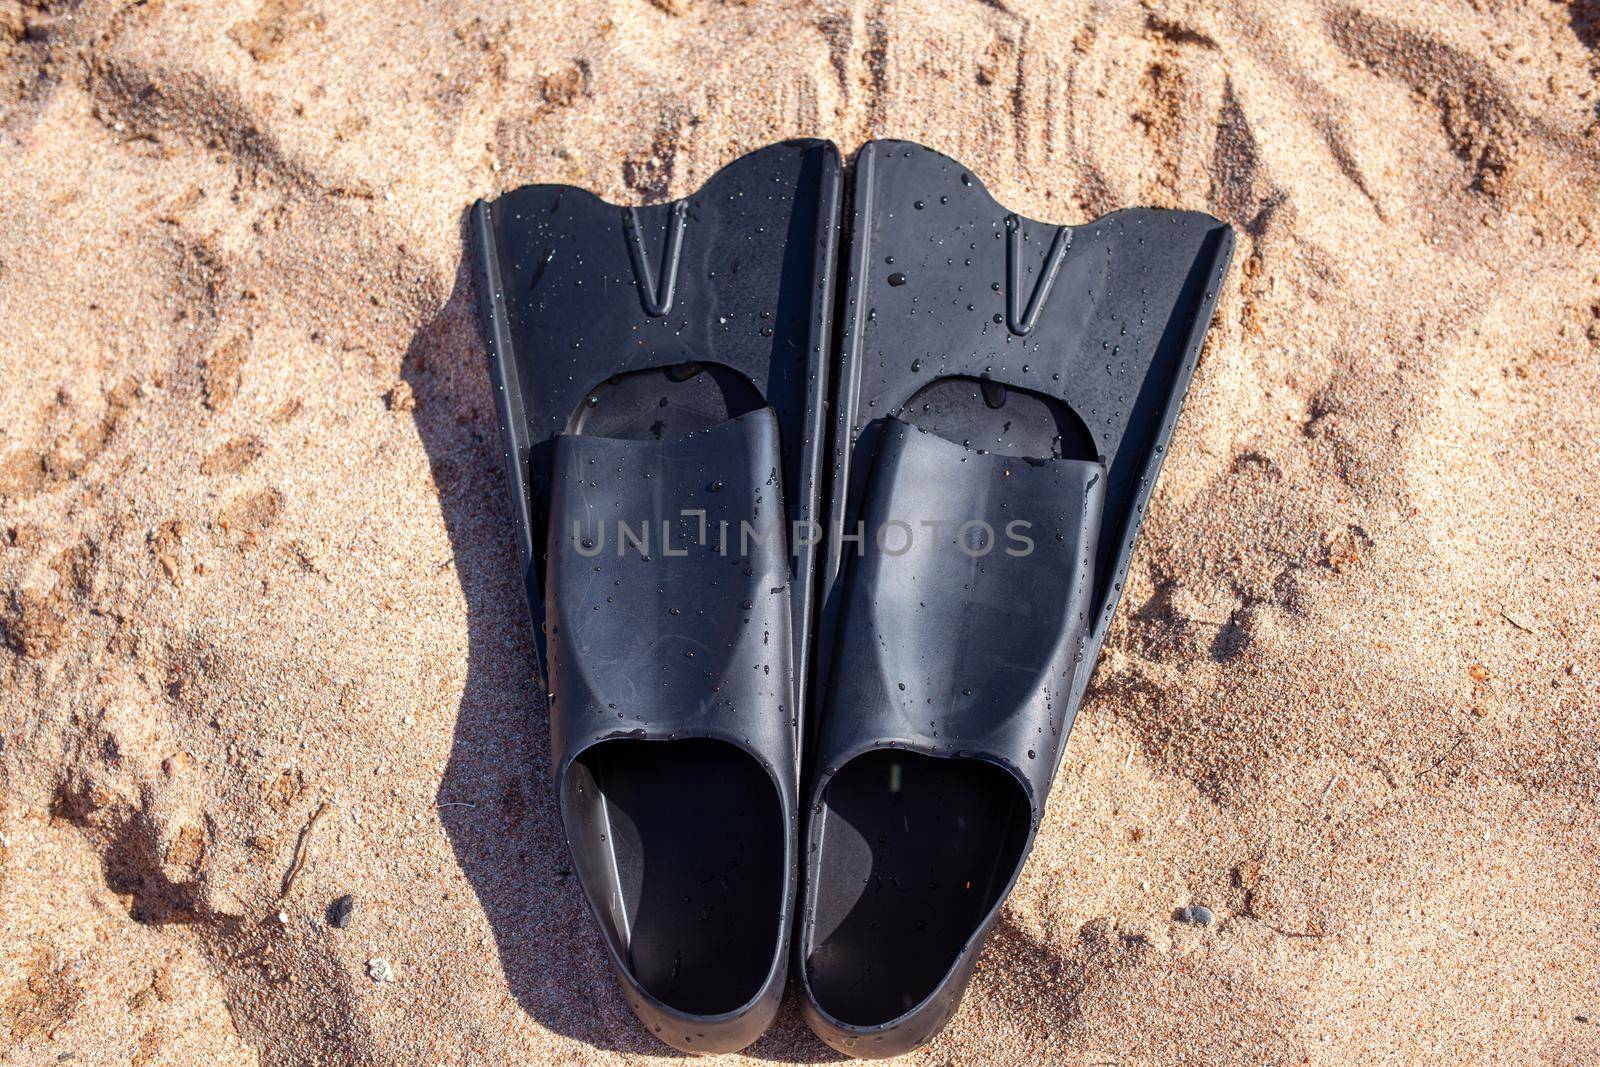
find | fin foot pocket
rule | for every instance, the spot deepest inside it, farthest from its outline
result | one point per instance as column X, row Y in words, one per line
column 671, row 674
column 942, row 715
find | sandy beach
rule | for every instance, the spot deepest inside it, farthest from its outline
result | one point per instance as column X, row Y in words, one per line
column 262, row 638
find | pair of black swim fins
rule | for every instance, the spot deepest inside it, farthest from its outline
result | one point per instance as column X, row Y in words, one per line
column 818, row 584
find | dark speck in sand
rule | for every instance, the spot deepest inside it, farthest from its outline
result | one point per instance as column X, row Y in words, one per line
column 340, row 912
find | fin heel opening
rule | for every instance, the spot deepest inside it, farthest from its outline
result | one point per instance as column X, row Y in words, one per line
column 918, row 851
column 692, row 913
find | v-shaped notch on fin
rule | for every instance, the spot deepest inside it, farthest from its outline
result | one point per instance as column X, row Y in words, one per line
column 1019, row 321
column 656, row 293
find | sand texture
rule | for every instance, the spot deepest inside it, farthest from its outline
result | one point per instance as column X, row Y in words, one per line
column 262, row 641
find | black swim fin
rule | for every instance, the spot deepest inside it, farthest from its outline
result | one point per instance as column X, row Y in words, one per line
column 660, row 375
column 1006, row 391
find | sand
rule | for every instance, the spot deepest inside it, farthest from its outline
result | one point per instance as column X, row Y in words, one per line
column 263, row 639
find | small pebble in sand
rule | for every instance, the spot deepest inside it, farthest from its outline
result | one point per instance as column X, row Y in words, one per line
column 378, row 970
column 1197, row 915
column 340, row 911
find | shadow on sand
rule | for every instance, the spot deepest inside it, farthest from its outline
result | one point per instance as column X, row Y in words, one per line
column 495, row 798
